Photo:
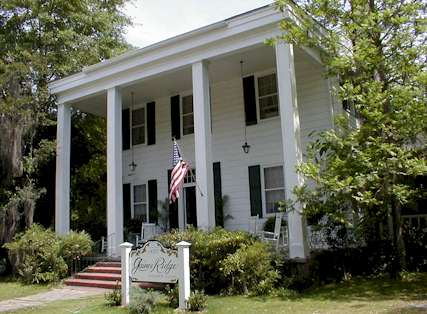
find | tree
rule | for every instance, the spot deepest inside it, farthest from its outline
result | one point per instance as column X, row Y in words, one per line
column 40, row 41
column 375, row 50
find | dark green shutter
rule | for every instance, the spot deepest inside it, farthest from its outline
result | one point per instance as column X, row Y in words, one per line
column 151, row 123
column 173, row 208
column 250, row 100
column 126, row 129
column 152, row 200
column 175, row 117
column 127, row 210
column 255, row 190
column 219, row 209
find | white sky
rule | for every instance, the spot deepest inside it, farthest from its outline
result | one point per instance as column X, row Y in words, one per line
column 155, row 20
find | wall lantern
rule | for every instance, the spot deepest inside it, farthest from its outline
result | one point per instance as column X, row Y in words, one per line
column 246, row 147
column 132, row 165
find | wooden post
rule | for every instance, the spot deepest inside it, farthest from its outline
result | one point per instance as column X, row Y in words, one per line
column 184, row 273
column 125, row 251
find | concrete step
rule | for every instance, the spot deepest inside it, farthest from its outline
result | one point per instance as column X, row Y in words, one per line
column 103, row 269
column 91, row 283
column 98, row 276
column 108, row 264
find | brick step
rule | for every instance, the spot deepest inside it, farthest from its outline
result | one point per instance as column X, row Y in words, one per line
column 108, row 264
column 97, row 269
column 98, row 276
column 91, row 283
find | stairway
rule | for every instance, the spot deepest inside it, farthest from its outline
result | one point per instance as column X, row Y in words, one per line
column 101, row 275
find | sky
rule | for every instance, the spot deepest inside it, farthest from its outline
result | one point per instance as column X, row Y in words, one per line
column 156, row 20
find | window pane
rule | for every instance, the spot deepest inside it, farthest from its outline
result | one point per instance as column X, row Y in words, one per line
column 187, row 124
column 272, row 198
column 140, row 211
column 268, row 107
column 187, row 104
column 138, row 116
column 139, row 194
column 138, row 135
column 273, row 177
column 267, row 85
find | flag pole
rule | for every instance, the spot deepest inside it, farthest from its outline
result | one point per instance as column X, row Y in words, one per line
column 189, row 168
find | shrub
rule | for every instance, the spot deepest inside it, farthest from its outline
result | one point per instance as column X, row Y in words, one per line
column 75, row 245
column 143, row 301
column 269, row 224
column 34, row 255
column 207, row 250
column 114, row 298
column 172, row 295
column 250, row 269
column 197, row 301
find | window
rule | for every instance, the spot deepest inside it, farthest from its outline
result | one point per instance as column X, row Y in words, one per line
column 187, row 115
column 267, row 96
column 274, row 189
column 138, row 126
column 140, row 207
column 190, row 177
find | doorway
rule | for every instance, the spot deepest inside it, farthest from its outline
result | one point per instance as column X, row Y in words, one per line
column 190, row 206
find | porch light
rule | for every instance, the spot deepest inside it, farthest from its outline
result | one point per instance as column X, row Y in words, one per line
column 246, row 147
column 132, row 165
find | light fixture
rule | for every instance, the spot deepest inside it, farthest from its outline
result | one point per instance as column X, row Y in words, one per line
column 246, row 147
column 132, row 165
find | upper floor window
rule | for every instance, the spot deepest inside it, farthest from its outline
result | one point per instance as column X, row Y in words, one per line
column 187, row 115
column 274, row 189
column 140, row 207
column 138, row 126
column 267, row 96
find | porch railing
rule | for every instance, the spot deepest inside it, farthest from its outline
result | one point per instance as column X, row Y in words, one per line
column 418, row 221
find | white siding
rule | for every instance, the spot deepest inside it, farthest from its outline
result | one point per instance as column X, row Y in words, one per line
column 228, row 122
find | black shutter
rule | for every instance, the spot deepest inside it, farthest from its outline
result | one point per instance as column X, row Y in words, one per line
column 152, row 201
column 151, row 123
column 219, row 208
column 173, row 208
column 175, row 117
column 255, row 190
column 126, row 129
column 126, row 204
column 249, row 99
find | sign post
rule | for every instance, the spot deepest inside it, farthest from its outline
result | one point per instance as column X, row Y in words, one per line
column 155, row 263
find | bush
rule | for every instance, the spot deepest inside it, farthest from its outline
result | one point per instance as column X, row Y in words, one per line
column 208, row 250
column 270, row 222
column 34, row 255
column 75, row 245
column 250, row 270
column 197, row 301
column 114, row 298
column 143, row 301
column 172, row 295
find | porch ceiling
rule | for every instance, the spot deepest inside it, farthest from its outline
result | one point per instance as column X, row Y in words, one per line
column 223, row 68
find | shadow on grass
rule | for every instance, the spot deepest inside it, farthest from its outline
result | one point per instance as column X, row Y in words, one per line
column 376, row 289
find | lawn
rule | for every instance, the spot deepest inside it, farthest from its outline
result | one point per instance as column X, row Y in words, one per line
column 355, row 296
column 10, row 288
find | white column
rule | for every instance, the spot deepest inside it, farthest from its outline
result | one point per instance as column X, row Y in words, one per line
column 125, row 262
column 292, row 155
column 203, row 147
column 114, row 171
column 62, row 183
column 184, row 273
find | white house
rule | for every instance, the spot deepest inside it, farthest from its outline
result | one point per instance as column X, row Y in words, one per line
column 212, row 89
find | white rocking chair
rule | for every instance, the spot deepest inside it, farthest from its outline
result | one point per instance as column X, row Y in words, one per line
column 273, row 237
column 148, row 232
column 253, row 225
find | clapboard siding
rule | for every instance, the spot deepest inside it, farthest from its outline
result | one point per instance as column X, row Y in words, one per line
column 228, row 122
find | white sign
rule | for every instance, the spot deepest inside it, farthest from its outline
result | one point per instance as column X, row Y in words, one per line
column 154, row 263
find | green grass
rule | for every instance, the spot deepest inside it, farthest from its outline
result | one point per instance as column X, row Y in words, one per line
column 355, row 296
column 10, row 288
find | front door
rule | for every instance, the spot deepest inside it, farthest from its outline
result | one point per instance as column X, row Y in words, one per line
column 190, row 206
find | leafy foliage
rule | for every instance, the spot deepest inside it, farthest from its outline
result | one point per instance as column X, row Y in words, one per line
column 75, row 245
column 376, row 49
column 197, row 301
column 114, row 298
column 143, row 301
column 250, row 269
column 208, row 250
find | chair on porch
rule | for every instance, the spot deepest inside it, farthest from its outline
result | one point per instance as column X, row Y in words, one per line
column 253, row 225
column 273, row 237
column 148, row 232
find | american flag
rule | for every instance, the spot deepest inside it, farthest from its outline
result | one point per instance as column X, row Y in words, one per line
column 179, row 171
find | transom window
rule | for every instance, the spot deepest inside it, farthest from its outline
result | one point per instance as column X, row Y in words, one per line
column 267, row 96
column 138, row 126
column 274, row 189
column 187, row 115
column 190, row 178
column 140, row 207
